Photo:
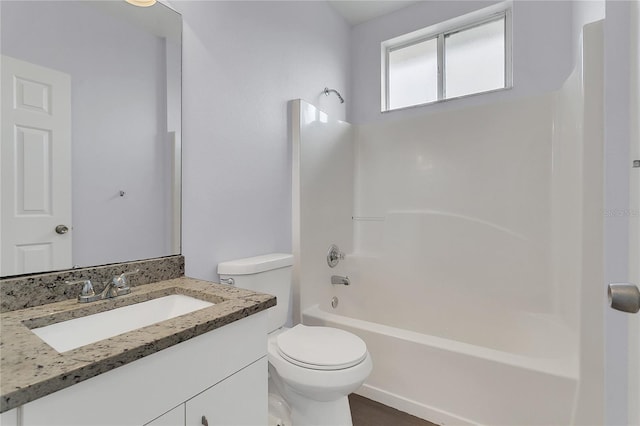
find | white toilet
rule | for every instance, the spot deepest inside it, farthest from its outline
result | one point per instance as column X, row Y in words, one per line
column 312, row 368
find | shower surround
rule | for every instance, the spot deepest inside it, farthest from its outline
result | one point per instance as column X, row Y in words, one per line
column 469, row 238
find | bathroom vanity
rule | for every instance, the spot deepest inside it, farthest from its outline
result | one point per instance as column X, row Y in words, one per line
column 208, row 366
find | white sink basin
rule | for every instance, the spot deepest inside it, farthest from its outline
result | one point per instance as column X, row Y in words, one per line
column 67, row 335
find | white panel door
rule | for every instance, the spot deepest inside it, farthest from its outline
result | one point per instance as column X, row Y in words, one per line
column 35, row 162
column 634, row 217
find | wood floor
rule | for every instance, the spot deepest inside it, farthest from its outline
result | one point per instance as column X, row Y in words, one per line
column 366, row 412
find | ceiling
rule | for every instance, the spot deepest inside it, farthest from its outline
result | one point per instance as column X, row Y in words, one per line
column 359, row 11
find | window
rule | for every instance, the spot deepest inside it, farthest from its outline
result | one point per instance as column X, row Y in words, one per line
column 468, row 55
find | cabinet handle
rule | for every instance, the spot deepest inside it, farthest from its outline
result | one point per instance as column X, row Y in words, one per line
column 204, row 421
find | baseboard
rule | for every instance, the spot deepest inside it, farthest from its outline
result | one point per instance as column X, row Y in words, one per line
column 414, row 408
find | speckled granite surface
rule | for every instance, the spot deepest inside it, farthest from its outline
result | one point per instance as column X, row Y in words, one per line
column 37, row 289
column 32, row 369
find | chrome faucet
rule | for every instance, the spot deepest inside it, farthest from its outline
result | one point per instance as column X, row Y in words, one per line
column 118, row 286
column 337, row 279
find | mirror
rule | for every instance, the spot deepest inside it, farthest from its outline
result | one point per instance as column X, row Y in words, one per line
column 91, row 134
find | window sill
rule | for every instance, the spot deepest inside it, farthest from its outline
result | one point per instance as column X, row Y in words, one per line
column 439, row 101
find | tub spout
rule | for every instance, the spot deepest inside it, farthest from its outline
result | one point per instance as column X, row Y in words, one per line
column 337, row 279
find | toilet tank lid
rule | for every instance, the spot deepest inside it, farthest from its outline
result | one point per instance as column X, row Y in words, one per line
column 253, row 265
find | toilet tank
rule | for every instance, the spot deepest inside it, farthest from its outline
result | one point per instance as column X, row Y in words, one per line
column 269, row 273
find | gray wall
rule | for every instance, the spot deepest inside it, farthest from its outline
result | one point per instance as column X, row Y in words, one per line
column 617, row 138
column 242, row 63
column 543, row 52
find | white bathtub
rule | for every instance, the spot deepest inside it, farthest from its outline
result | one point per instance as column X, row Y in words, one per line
column 527, row 378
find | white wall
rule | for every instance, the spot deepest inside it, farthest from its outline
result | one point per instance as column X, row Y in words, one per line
column 590, row 402
column 566, row 198
column 584, row 12
column 463, row 211
column 567, row 194
column 323, row 159
column 542, row 52
column 243, row 61
column 119, row 123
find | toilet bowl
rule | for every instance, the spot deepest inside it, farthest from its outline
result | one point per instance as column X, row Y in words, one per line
column 314, row 382
column 313, row 369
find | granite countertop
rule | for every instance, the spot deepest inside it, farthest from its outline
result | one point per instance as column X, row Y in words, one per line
column 32, row 369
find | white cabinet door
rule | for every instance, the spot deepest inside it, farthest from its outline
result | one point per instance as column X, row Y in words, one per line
column 36, row 168
column 238, row 400
column 174, row 417
column 9, row 418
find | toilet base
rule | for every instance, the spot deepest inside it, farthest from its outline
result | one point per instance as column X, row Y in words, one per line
column 303, row 411
column 308, row 412
column 279, row 410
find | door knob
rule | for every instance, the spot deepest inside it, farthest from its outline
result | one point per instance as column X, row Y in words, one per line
column 62, row 229
column 624, row 297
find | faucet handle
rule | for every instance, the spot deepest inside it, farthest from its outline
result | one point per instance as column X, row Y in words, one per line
column 120, row 281
column 334, row 255
column 87, row 287
column 87, row 291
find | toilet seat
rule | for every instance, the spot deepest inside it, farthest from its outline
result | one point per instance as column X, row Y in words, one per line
column 321, row 348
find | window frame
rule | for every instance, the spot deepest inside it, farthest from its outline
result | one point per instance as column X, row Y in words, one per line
column 440, row 32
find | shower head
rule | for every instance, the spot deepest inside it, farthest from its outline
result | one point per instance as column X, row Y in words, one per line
column 327, row 91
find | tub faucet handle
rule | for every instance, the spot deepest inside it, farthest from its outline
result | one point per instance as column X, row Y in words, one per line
column 334, row 255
